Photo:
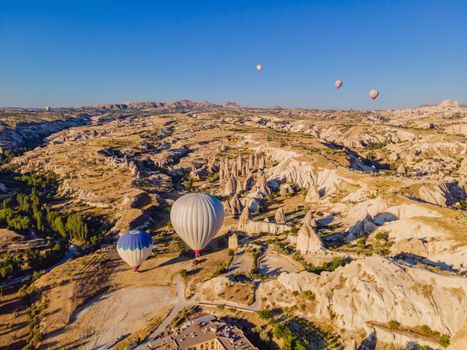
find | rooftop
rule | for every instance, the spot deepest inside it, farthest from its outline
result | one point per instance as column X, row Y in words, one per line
column 200, row 331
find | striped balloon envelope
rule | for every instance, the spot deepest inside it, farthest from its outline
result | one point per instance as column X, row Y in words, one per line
column 197, row 217
column 134, row 247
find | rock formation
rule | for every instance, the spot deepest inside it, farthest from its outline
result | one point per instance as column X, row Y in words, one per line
column 239, row 186
column 235, row 205
column 380, row 290
column 307, row 240
column 249, row 182
column 280, row 216
column 261, row 188
column 230, row 186
column 312, row 196
column 233, row 242
column 251, row 163
column 309, row 219
column 287, row 190
column 244, row 218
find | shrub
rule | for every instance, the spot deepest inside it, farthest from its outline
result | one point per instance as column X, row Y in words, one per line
column 444, row 340
column 264, row 314
column 380, row 235
column 394, row 324
column 329, row 266
column 361, row 243
column 309, row 295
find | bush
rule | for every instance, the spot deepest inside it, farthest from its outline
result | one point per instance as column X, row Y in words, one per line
column 444, row 340
column 394, row 324
column 361, row 243
column 329, row 266
column 264, row 314
column 309, row 295
column 425, row 330
column 381, row 236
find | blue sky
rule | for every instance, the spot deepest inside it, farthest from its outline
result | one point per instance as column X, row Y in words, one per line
column 63, row 53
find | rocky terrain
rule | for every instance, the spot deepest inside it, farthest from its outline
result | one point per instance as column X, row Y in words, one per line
column 354, row 221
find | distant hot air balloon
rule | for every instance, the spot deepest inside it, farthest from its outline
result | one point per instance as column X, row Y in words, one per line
column 373, row 94
column 338, row 83
column 259, row 67
column 196, row 217
column 134, row 247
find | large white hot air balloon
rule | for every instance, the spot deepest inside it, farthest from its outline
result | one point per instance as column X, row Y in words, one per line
column 134, row 247
column 373, row 94
column 259, row 67
column 196, row 217
column 338, row 83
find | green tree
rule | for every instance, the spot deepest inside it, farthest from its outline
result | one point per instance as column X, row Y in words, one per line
column 39, row 218
column 77, row 227
column 59, row 227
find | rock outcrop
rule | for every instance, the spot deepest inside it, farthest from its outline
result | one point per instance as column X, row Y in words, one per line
column 280, row 216
column 376, row 289
column 235, row 205
column 307, row 240
column 233, row 242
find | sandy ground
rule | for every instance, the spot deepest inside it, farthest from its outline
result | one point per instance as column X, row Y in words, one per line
column 273, row 263
column 241, row 263
column 121, row 312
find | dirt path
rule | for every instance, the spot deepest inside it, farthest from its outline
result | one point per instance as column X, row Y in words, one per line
column 120, row 312
column 273, row 263
column 181, row 302
column 241, row 263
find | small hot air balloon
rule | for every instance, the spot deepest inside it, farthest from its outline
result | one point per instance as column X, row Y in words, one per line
column 196, row 217
column 373, row 94
column 338, row 83
column 259, row 67
column 134, row 247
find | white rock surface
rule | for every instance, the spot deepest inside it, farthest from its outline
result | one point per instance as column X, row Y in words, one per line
column 376, row 289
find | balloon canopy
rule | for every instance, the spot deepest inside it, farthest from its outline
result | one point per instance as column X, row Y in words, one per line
column 134, row 247
column 197, row 217
column 373, row 94
column 338, row 83
column 259, row 67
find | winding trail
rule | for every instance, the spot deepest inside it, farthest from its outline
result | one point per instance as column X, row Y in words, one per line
column 182, row 302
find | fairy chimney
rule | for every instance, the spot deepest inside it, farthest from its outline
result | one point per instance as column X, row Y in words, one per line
column 309, row 219
column 280, row 216
column 308, row 240
column 233, row 242
column 230, row 186
column 244, row 218
column 235, row 205
column 312, row 196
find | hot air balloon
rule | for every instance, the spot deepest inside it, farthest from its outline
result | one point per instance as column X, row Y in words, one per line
column 196, row 217
column 134, row 247
column 259, row 67
column 373, row 94
column 338, row 83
